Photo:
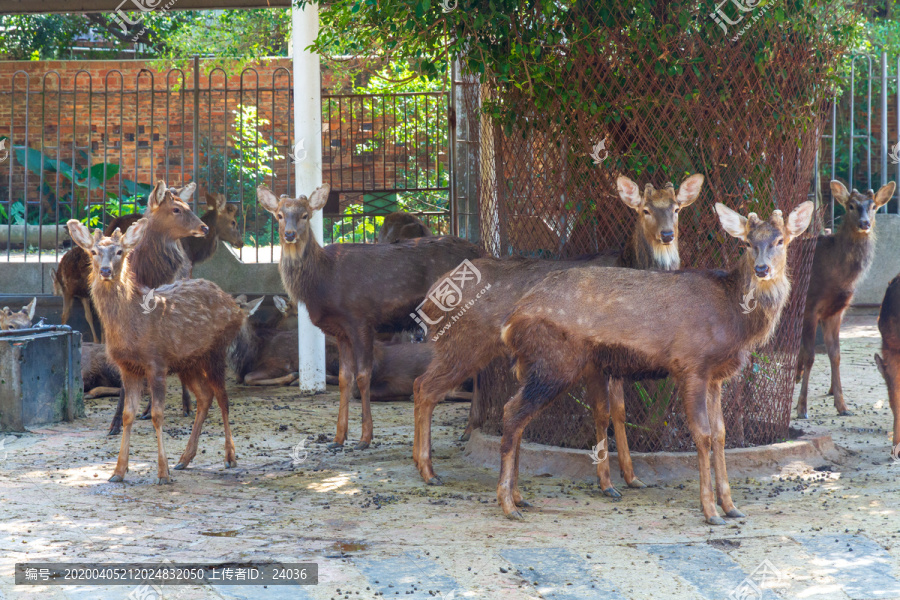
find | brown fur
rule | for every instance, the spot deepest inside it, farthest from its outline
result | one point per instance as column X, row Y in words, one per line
column 188, row 332
column 17, row 320
column 350, row 289
column 399, row 226
column 263, row 355
column 889, row 361
column 473, row 341
column 555, row 336
column 840, row 262
column 395, row 367
column 221, row 221
column 100, row 375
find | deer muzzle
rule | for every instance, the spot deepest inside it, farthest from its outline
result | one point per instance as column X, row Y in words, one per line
column 202, row 231
column 865, row 226
column 762, row 271
column 290, row 237
column 105, row 273
column 667, row 237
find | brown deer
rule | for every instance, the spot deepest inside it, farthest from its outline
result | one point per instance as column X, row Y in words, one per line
column 159, row 258
column 188, row 331
column 474, row 339
column 17, row 320
column 220, row 219
column 99, row 375
column 889, row 361
column 263, row 355
column 70, row 278
column 350, row 289
column 840, row 262
column 401, row 225
column 596, row 318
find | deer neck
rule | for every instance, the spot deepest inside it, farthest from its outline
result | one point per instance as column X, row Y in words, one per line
column 158, row 258
column 758, row 303
column 302, row 269
column 116, row 301
column 855, row 249
column 642, row 253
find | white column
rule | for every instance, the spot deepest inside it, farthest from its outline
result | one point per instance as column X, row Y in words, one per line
column 308, row 171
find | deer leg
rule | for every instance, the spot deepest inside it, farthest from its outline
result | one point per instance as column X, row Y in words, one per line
column 598, row 396
column 346, row 380
column 717, row 426
column 222, row 400
column 832, row 329
column 132, row 386
column 285, row 380
column 805, row 362
column 157, row 411
column 101, row 391
column 363, row 352
column 89, row 317
column 204, row 395
column 185, row 401
column 115, row 427
column 694, row 394
column 617, row 408
column 67, row 308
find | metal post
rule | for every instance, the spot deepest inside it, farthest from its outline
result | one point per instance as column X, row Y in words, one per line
column 196, row 129
column 307, row 125
column 884, row 123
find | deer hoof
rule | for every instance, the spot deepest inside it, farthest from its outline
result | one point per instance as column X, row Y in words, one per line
column 523, row 503
column 735, row 514
column 334, row 446
column 845, row 413
column 144, row 417
column 612, row 492
column 637, row 484
column 465, row 436
column 186, row 413
column 361, row 446
column 230, row 464
column 435, row 481
column 802, row 415
column 164, row 480
column 180, row 467
column 114, row 431
column 515, row 515
column 116, row 479
column 715, row 520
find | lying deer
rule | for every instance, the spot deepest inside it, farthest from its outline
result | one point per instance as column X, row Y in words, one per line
column 589, row 318
column 840, row 262
column 263, row 355
column 175, row 335
column 399, row 226
column 70, row 278
column 220, row 220
column 473, row 341
column 350, row 289
column 99, row 375
column 888, row 361
column 17, row 320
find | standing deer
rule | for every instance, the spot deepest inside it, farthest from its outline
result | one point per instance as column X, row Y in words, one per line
column 840, row 262
column 17, row 320
column 473, row 341
column 889, row 363
column 175, row 335
column 697, row 333
column 401, row 225
column 350, row 289
column 220, row 220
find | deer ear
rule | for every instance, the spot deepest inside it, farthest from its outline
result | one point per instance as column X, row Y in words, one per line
column 629, row 192
column 319, row 197
column 267, row 199
column 221, row 202
column 28, row 309
column 884, row 194
column 157, row 195
column 240, row 299
column 689, row 190
column 733, row 223
column 254, row 305
column 80, row 234
column 134, row 234
column 280, row 304
column 879, row 362
column 839, row 192
column 230, row 209
column 799, row 219
column 187, row 192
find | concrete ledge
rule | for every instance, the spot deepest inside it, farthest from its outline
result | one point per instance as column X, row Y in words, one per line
column 814, row 447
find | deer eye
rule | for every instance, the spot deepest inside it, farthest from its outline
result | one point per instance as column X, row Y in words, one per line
column 780, row 242
column 676, row 210
column 119, row 253
column 647, row 211
column 280, row 216
column 176, row 210
column 93, row 252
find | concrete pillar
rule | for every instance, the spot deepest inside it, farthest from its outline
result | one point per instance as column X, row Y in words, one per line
column 308, row 172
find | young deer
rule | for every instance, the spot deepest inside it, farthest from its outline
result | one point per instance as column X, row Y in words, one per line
column 401, row 225
column 889, row 364
column 589, row 318
column 17, row 320
column 840, row 262
column 350, row 289
column 98, row 374
column 175, row 335
column 474, row 339
column 221, row 221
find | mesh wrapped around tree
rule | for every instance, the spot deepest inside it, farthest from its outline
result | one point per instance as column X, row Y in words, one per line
column 668, row 94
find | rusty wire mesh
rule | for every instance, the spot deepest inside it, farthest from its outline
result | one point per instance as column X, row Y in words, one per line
column 699, row 102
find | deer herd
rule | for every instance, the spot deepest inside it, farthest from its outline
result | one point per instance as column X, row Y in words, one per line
column 558, row 323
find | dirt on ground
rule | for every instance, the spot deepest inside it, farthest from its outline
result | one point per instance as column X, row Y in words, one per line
column 363, row 516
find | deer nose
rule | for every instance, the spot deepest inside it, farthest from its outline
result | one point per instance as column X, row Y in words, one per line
column 667, row 237
column 105, row 272
column 865, row 225
column 290, row 236
column 761, row 270
column 204, row 229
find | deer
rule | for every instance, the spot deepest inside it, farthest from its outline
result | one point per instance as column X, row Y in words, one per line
column 159, row 257
column 401, row 225
column 350, row 289
column 473, row 341
column 17, row 320
column 221, row 222
column 589, row 318
column 839, row 263
column 70, row 278
column 263, row 355
column 888, row 362
column 99, row 374
column 145, row 346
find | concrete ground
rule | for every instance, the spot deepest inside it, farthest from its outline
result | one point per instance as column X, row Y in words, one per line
column 375, row 530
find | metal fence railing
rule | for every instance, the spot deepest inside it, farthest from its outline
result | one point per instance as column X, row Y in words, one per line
column 89, row 144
